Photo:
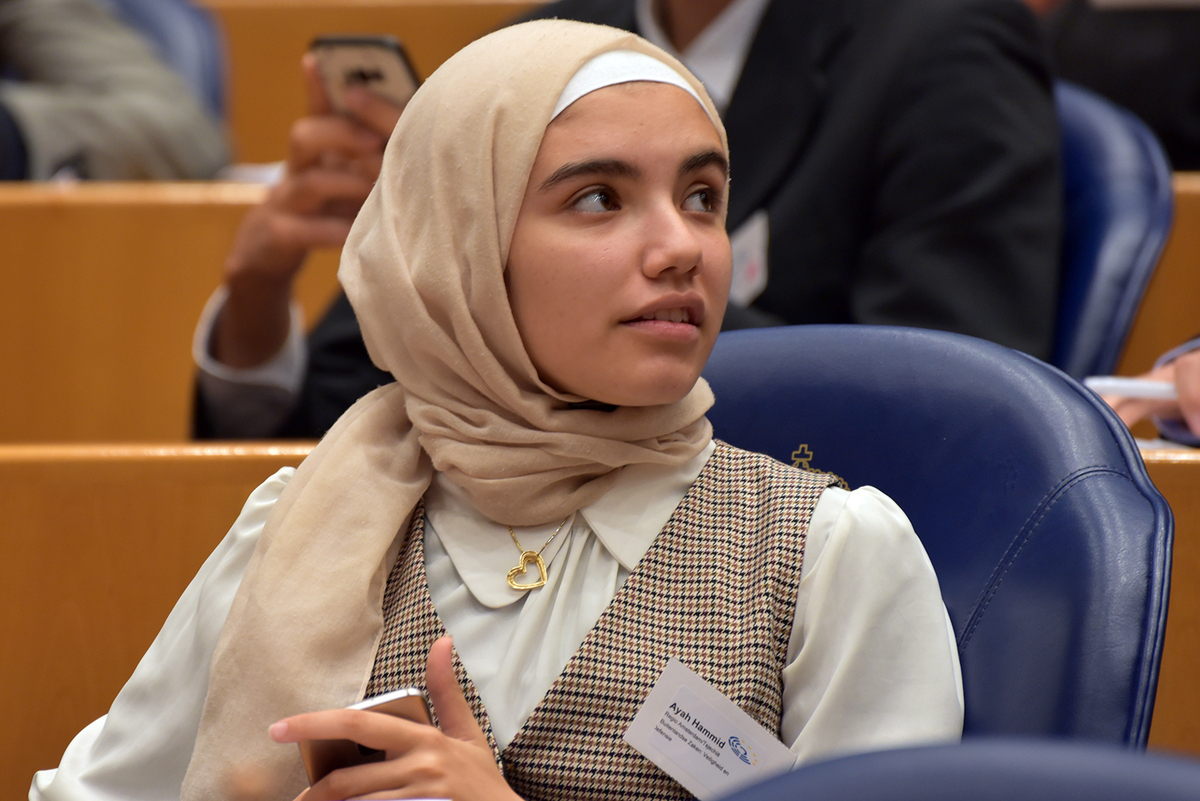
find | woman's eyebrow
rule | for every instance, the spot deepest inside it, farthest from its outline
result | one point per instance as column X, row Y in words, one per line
column 705, row 159
column 613, row 167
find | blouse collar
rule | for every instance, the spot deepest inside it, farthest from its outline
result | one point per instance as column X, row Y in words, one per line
column 626, row 519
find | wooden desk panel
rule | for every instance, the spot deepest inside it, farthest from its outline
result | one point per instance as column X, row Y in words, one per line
column 104, row 283
column 99, row 543
column 1176, row 724
column 265, row 39
column 1168, row 313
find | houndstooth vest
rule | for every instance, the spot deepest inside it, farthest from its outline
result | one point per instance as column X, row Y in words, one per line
column 717, row 589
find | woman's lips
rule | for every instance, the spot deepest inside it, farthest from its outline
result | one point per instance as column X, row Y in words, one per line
column 677, row 315
column 674, row 323
column 676, row 309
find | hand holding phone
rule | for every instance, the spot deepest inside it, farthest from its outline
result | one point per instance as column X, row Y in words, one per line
column 454, row 760
column 378, row 64
column 322, row 757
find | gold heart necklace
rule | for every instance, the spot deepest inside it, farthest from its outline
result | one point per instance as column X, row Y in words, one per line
column 531, row 557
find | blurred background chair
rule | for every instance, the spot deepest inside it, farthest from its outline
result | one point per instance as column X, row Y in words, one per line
column 1051, row 545
column 187, row 38
column 984, row 770
column 1118, row 195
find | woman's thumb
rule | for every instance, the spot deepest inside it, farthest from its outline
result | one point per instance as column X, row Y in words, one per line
column 454, row 713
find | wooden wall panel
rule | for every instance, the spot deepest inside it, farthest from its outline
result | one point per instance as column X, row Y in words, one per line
column 99, row 543
column 104, row 284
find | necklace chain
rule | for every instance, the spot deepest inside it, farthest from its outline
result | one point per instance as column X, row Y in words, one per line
column 544, row 544
column 531, row 557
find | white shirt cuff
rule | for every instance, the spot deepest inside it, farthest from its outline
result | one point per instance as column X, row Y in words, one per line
column 255, row 401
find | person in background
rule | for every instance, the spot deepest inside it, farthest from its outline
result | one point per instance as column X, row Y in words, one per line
column 1145, row 59
column 899, row 165
column 84, row 96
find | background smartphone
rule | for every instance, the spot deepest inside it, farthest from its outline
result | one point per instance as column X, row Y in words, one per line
column 376, row 63
column 322, row 757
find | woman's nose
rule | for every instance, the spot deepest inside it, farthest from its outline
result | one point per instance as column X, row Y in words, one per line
column 671, row 243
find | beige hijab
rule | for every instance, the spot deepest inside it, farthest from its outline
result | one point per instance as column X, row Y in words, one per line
column 424, row 269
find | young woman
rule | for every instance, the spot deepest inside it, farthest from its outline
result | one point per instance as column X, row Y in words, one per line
column 543, row 266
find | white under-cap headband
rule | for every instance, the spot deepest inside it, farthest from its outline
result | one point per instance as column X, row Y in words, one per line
column 619, row 66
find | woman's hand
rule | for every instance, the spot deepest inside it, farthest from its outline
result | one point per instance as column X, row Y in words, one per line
column 1134, row 410
column 1184, row 373
column 333, row 161
column 454, row 762
column 1187, row 385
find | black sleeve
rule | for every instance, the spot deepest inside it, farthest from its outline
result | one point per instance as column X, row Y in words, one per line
column 339, row 373
column 14, row 162
column 968, row 210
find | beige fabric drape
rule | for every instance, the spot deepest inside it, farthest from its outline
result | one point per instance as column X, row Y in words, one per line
column 424, row 269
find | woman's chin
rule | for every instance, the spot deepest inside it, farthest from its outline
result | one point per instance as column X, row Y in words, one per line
column 651, row 392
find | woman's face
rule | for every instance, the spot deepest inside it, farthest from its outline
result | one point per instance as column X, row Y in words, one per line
column 619, row 267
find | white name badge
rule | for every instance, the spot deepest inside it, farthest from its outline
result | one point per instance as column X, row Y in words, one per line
column 749, row 247
column 703, row 740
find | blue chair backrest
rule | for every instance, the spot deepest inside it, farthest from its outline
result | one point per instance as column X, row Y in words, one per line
column 1118, row 203
column 990, row 770
column 1051, row 545
column 187, row 38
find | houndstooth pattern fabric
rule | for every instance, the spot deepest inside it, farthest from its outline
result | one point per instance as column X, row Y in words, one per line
column 412, row 625
column 716, row 589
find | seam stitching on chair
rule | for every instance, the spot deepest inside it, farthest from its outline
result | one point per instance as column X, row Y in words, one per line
column 1019, row 542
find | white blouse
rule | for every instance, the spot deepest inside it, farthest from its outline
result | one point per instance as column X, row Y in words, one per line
column 871, row 663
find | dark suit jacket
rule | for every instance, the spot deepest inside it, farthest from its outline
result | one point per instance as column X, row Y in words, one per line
column 1147, row 60
column 907, row 153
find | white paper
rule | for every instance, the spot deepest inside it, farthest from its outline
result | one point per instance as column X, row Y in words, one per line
column 703, row 740
column 1130, row 387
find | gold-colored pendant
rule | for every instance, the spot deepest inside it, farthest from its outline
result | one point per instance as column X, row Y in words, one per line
column 528, row 557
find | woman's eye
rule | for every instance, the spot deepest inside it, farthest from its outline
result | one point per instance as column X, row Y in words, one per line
column 704, row 200
column 595, row 201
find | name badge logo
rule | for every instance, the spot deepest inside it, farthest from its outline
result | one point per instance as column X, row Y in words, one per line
column 736, row 746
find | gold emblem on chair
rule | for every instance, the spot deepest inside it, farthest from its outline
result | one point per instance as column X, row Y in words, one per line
column 802, row 458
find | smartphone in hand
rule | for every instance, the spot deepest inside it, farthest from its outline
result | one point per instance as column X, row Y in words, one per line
column 322, row 757
column 378, row 64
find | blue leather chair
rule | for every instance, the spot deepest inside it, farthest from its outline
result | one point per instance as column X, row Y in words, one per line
column 187, row 38
column 1051, row 545
column 1118, row 205
column 983, row 770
